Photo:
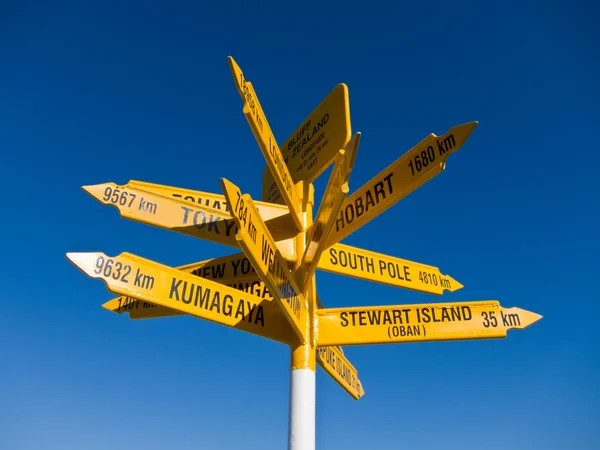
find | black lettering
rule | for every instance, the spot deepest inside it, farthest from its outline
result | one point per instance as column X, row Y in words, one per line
column 349, row 213
column 213, row 224
column 455, row 314
column 360, row 209
column 343, row 258
column 379, row 190
column 370, row 199
column 353, row 314
column 339, row 222
column 466, row 312
column 333, row 256
column 235, row 266
column 388, row 178
column 199, row 223
column 370, row 265
column 185, row 286
column 362, row 318
column 175, row 288
column 229, row 223
column 260, row 316
column 374, row 317
column 445, row 315
column 205, row 297
column 240, row 312
column 387, row 318
column 343, row 316
column 216, row 303
column 227, row 305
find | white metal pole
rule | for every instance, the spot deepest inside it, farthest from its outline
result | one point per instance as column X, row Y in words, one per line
column 301, row 431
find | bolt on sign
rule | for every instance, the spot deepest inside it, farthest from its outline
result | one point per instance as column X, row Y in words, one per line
column 268, row 287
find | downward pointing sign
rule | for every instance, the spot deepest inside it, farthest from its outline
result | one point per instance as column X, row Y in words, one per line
column 258, row 245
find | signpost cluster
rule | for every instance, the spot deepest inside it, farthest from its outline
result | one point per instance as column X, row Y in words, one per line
column 268, row 287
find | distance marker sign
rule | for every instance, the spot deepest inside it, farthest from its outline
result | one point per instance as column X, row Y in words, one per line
column 267, row 211
column 174, row 214
column 146, row 280
column 267, row 143
column 259, row 247
column 359, row 263
column 411, row 323
column 419, row 165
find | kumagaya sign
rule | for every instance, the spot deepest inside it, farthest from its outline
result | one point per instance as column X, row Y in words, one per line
column 268, row 287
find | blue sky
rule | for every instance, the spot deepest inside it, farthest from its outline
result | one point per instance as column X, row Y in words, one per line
column 92, row 94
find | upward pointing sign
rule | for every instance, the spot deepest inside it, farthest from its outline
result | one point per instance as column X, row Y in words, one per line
column 335, row 193
column 313, row 146
column 268, row 145
column 413, row 169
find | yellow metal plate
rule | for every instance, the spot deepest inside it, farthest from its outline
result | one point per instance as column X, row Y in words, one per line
column 333, row 361
column 145, row 310
column 267, row 143
column 148, row 281
column 420, row 164
column 366, row 265
column 412, row 323
column 313, row 146
column 258, row 245
column 234, row 271
column 267, row 211
column 335, row 193
column 174, row 214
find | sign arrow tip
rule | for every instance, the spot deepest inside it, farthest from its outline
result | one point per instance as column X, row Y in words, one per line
column 526, row 317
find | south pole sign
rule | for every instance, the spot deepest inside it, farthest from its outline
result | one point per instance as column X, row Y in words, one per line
column 268, row 287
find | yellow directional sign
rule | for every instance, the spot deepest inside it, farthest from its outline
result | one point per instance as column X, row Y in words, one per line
column 259, row 247
column 335, row 193
column 313, row 146
column 426, row 322
column 424, row 161
column 267, row 211
column 234, row 271
column 145, row 310
column 174, row 214
column 333, row 361
column 267, row 143
column 139, row 309
column 223, row 269
column 148, row 281
column 366, row 265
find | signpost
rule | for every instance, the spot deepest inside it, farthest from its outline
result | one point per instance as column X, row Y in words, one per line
column 269, row 287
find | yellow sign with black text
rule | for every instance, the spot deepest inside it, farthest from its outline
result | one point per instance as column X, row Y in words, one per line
column 258, row 245
column 268, row 211
column 267, row 143
column 423, row 322
column 145, row 280
column 333, row 361
column 420, row 164
column 366, row 265
column 175, row 214
column 312, row 147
